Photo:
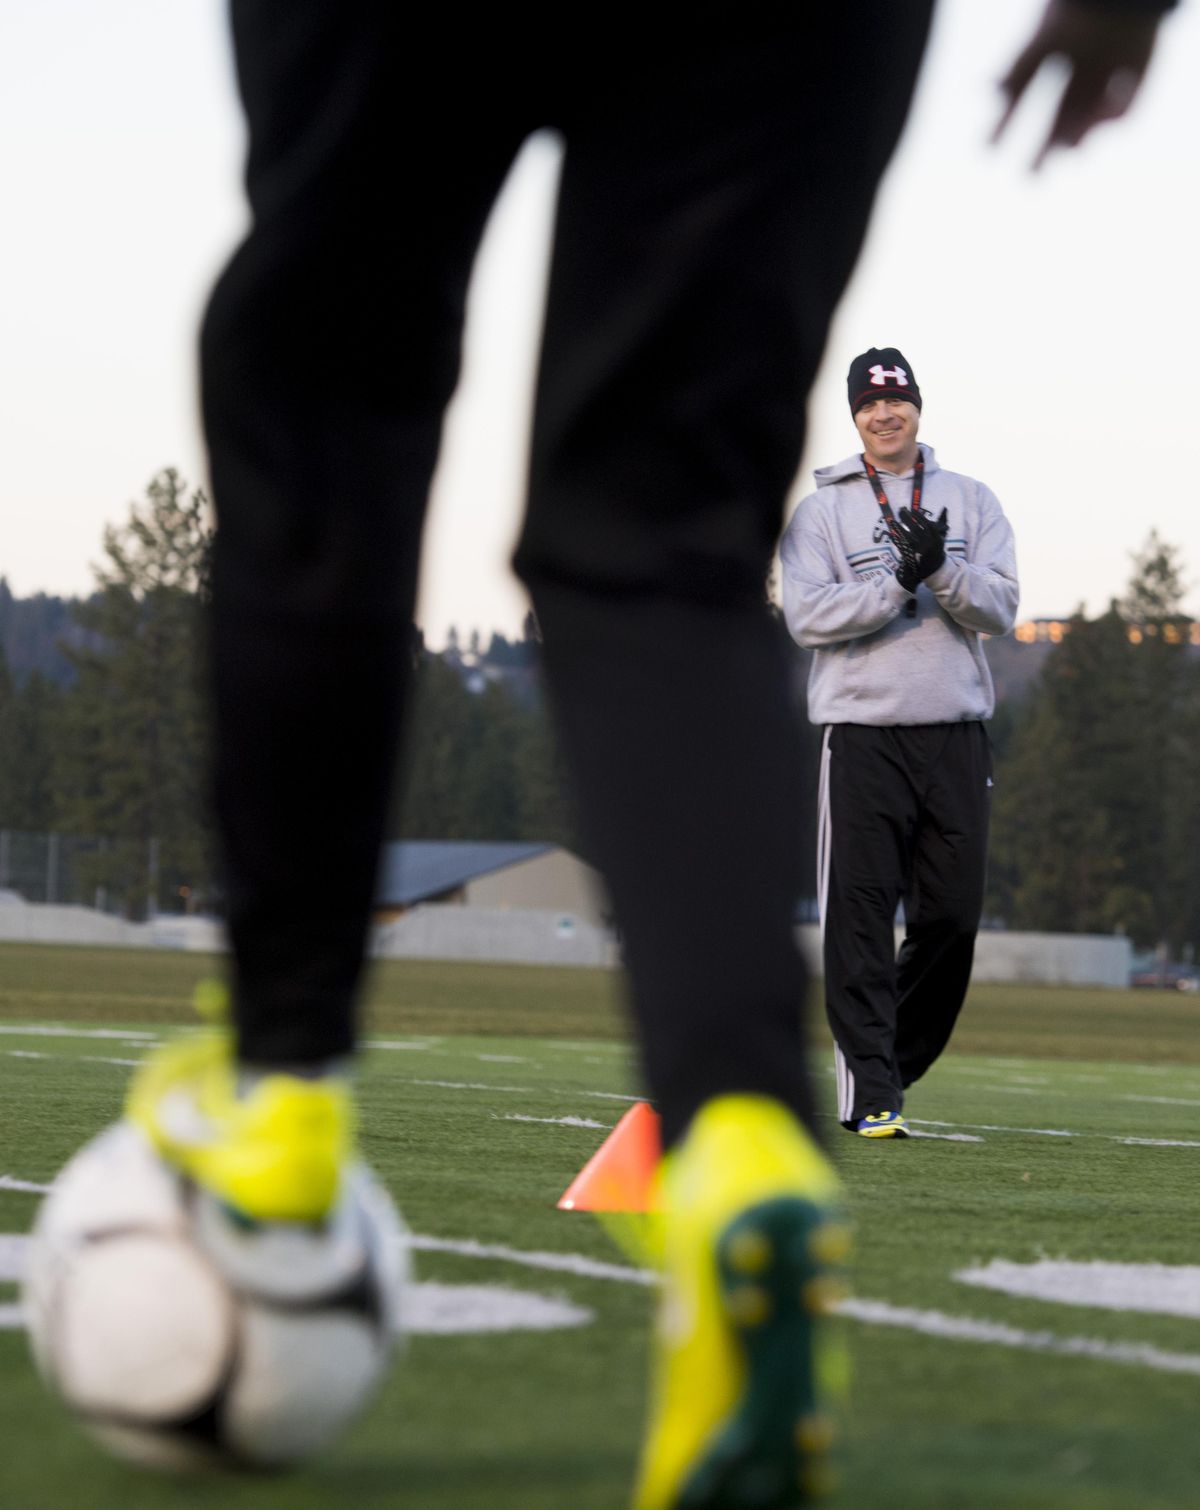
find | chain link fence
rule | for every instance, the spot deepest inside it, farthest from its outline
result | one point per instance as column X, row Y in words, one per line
column 118, row 876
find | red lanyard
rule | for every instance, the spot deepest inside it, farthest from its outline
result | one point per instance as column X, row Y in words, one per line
column 885, row 508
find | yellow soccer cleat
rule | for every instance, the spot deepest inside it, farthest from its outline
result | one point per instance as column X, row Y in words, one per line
column 744, row 1375
column 882, row 1125
column 272, row 1154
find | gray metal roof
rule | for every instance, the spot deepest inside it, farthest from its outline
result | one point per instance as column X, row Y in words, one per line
column 412, row 870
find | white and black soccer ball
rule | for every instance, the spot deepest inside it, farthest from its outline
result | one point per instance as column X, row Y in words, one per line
column 181, row 1338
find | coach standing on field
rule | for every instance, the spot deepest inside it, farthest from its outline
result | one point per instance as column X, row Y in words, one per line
column 892, row 570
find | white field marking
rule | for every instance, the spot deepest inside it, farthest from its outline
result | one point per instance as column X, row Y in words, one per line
column 965, row 1329
column 876, row 1312
column 562, row 1263
column 520, row 1090
column 1160, row 1100
column 1158, row 1289
column 947, row 1137
column 436, row 1310
column 1040, row 1132
column 79, row 1058
column 502, row 1058
column 556, row 1121
column 585, row 1046
column 1050, row 1132
column 10, row 1182
column 1158, row 1142
column 42, row 1030
column 12, row 1257
column 387, row 1043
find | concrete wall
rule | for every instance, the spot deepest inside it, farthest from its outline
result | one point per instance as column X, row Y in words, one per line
column 1046, row 959
column 43, row 923
column 552, row 937
column 553, row 882
column 487, row 933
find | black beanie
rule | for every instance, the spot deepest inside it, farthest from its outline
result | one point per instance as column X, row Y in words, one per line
column 881, row 371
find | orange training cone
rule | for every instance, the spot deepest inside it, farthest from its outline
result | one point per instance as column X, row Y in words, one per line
column 619, row 1176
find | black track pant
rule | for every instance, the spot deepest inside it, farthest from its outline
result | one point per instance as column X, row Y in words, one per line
column 903, row 816
column 718, row 177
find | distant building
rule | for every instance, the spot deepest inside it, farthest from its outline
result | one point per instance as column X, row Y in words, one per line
column 1053, row 631
column 521, row 877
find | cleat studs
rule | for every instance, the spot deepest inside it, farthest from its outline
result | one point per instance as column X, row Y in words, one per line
column 814, row 1435
column 830, row 1244
column 748, row 1306
column 823, row 1294
column 749, row 1251
column 817, row 1480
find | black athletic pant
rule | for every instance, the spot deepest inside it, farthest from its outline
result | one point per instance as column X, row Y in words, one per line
column 903, row 816
column 718, row 176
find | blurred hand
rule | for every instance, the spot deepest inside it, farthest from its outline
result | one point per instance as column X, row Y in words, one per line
column 922, row 543
column 1106, row 51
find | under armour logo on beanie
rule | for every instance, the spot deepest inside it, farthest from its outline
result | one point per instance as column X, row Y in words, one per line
column 882, row 372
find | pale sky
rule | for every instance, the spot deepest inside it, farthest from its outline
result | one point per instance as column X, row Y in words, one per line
column 1052, row 321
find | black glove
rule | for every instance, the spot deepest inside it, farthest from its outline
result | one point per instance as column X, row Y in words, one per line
column 922, row 544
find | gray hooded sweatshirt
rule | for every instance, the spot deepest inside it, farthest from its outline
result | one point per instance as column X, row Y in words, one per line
column 873, row 664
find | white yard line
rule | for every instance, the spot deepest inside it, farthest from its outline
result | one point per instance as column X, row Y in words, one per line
column 1040, row 1132
column 872, row 1312
column 914, row 1132
column 562, row 1263
column 1158, row 1142
column 10, row 1182
column 965, row 1329
column 77, row 1058
column 1160, row 1100
column 1058, row 1132
column 44, row 1030
column 520, row 1090
column 555, row 1121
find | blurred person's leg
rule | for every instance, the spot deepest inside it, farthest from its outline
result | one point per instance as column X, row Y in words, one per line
column 713, row 201
column 329, row 350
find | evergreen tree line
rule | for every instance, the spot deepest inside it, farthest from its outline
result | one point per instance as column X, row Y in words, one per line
column 1096, row 821
column 1096, row 818
column 114, row 754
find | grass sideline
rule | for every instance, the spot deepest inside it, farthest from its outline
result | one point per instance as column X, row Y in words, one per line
column 79, row 984
column 527, row 1421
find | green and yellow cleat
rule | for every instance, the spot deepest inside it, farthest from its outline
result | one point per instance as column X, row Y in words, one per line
column 745, row 1374
column 272, row 1153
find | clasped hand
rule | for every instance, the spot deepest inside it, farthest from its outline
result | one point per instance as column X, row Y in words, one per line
column 922, row 543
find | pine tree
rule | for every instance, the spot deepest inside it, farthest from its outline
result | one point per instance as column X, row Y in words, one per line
column 1097, row 816
column 132, row 761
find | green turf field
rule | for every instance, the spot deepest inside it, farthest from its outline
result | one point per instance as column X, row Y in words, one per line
column 484, row 1091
